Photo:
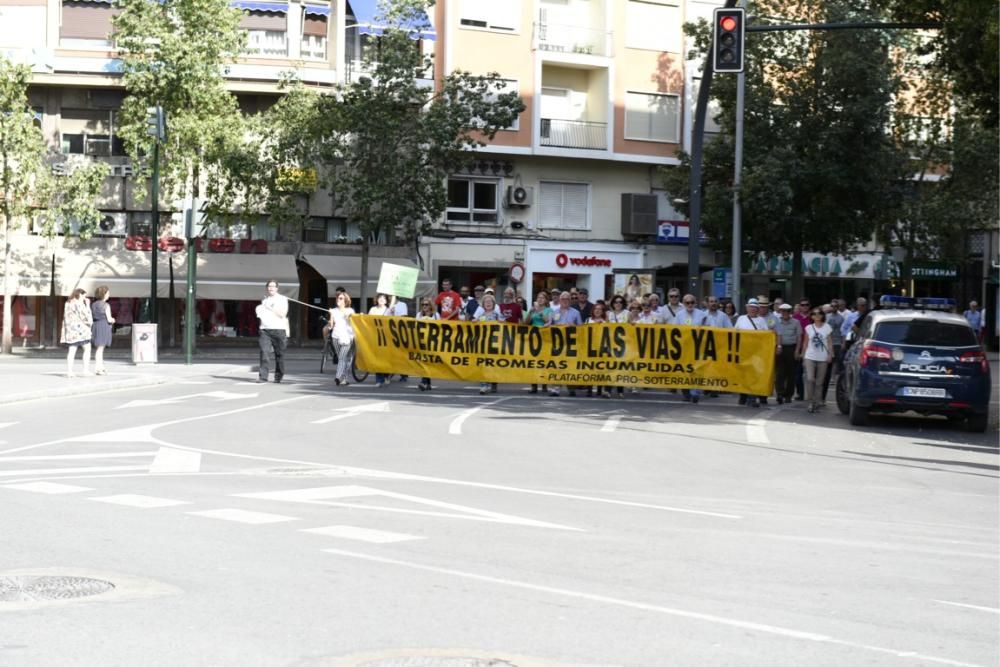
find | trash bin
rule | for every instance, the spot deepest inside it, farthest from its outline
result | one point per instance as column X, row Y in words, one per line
column 144, row 344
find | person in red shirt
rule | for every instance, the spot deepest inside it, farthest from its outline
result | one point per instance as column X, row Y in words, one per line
column 803, row 317
column 510, row 309
column 802, row 313
column 448, row 302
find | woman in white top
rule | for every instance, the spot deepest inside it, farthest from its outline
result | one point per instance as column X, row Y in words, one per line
column 818, row 346
column 647, row 315
column 618, row 313
column 598, row 315
column 426, row 312
column 343, row 337
column 490, row 313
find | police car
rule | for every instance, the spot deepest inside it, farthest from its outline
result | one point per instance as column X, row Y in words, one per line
column 913, row 355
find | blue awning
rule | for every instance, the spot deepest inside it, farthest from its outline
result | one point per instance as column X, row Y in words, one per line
column 364, row 13
column 259, row 6
column 317, row 10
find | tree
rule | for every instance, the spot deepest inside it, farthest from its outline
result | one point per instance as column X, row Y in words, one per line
column 28, row 188
column 820, row 169
column 388, row 143
column 173, row 54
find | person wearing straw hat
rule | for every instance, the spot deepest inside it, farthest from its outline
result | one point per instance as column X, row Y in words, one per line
column 273, row 315
column 752, row 321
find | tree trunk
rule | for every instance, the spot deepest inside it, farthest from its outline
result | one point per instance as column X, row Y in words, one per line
column 363, row 290
column 798, row 280
column 8, row 339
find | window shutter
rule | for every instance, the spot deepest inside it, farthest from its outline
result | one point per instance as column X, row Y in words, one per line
column 550, row 204
column 86, row 20
column 575, row 205
column 263, row 21
column 563, row 205
column 314, row 25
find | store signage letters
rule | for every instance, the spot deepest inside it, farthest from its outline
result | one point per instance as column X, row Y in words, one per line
column 175, row 244
column 563, row 260
column 119, row 170
column 818, row 265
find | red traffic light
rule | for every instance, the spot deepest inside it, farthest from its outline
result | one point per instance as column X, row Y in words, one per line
column 728, row 23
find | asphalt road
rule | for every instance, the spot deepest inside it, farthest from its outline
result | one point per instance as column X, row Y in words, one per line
column 303, row 524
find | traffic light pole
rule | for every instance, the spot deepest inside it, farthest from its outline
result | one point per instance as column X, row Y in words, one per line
column 192, row 259
column 154, row 230
column 741, row 80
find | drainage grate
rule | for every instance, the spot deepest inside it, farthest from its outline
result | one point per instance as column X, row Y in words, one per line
column 34, row 588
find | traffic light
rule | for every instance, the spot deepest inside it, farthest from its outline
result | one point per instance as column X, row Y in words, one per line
column 156, row 123
column 728, row 39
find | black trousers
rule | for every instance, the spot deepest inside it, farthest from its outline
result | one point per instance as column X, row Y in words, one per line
column 784, row 372
column 272, row 353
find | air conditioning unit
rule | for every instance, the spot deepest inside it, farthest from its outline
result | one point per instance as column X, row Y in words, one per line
column 519, row 196
column 639, row 214
column 112, row 224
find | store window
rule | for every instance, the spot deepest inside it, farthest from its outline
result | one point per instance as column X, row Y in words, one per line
column 564, row 205
column 90, row 132
column 652, row 117
column 474, row 200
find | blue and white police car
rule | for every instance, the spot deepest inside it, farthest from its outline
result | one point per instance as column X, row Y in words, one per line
column 916, row 355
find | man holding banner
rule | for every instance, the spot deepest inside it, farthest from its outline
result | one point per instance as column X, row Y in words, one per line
column 563, row 315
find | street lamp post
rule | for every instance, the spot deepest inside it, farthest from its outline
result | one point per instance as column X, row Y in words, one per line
column 156, row 127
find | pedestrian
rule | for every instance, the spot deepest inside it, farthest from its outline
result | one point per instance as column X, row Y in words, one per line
column 690, row 316
column 598, row 314
column 836, row 321
column 343, row 337
column 853, row 322
column 448, row 302
column 787, row 351
column 100, row 311
column 471, row 303
column 730, row 310
column 383, row 308
column 564, row 316
column 510, row 310
column 752, row 321
column 273, row 335
column 618, row 312
column 583, row 303
column 715, row 317
column 669, row 312
column 426, row 312
column 77, row 330
column 976, row 320
column 490, row 313
column 540, row 315
column 648, row 315
column 816, row 341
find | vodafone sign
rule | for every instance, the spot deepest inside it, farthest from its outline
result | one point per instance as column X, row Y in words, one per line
column 563, row 260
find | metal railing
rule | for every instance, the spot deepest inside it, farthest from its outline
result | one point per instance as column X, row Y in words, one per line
column 313, row 47
column 574, row 134
column 564, row 38
column 267, row 43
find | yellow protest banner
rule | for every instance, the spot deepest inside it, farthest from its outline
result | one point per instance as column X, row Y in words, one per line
column 625, row 355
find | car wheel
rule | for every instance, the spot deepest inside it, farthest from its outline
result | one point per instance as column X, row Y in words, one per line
column 858, row 415
column 843, row 404
column 977, row 423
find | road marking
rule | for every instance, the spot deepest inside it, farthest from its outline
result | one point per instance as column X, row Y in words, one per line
column 990, row 610
column 756, row 431
column 169, row 459
column 68, row 457
column 6, row 424
column 143, row 502
column 455, row 428
column 643, row 606
column 243, row 516
column 363, row 534
column 60, row 471
column 354, row 411
column 219, row 395
column 331, row 495
column 611, row 424
column 47, row 487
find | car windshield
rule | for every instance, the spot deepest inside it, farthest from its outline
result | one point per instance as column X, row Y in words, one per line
column 925, row 332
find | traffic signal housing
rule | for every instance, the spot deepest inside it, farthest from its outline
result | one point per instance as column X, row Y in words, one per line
column 728, row 40
column 156, row 123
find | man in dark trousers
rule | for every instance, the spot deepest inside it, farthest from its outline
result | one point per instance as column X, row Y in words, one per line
column 273, row 314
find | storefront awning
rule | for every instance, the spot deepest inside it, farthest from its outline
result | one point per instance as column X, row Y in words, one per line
column 243, row 277
column 30, row 266
column 90, row 264
column 345, row 271
column 259, row 6
column 316, row 10
column 365, row 12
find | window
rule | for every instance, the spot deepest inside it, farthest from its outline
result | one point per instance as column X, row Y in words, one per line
column 564, row 205
column 507, row 86
column 504, row 15
column 930, row 333
column 651, row 117
column 90, row 132
column 653, row 25
column 473, row 200
column 86, row 23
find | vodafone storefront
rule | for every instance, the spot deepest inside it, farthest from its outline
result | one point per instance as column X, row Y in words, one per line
column 556, row 265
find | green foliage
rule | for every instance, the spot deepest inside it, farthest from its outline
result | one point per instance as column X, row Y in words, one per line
column 820, row 168
column 173, row 53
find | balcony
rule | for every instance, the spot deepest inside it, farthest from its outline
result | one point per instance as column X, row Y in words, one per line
column 267, row 43
column 565, row 38
column 314, row 47
column 574, row 134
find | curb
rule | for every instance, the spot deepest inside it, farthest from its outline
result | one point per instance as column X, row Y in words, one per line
column 81, row 389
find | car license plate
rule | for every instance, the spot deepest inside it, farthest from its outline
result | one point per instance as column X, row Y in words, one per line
column 927, row 392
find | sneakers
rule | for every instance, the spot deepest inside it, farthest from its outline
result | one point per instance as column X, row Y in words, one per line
column 483, row 391
column 378, row 385
column 554, row 392
column 694, row 399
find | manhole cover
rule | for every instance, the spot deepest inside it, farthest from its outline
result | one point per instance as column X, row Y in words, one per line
column 28, row 588
column 436, row 661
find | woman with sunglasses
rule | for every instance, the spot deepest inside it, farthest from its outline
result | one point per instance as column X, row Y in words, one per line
column 598, row 315
column 426, row 312
column 818, row 346
column 540, row 315
column 343, row 336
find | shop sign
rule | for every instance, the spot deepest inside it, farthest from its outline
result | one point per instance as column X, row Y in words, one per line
column 176, row 244
column 816, row 264
column 934, row 272
column 119, row 170
column 563, row 260
column 676, row 232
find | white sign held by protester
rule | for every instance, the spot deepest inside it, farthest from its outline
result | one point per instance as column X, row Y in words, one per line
column 396, row 280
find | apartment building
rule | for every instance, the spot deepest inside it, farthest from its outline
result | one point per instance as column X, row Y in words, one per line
column 570, row 192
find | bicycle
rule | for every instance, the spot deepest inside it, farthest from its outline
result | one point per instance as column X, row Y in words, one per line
column 330, row 358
